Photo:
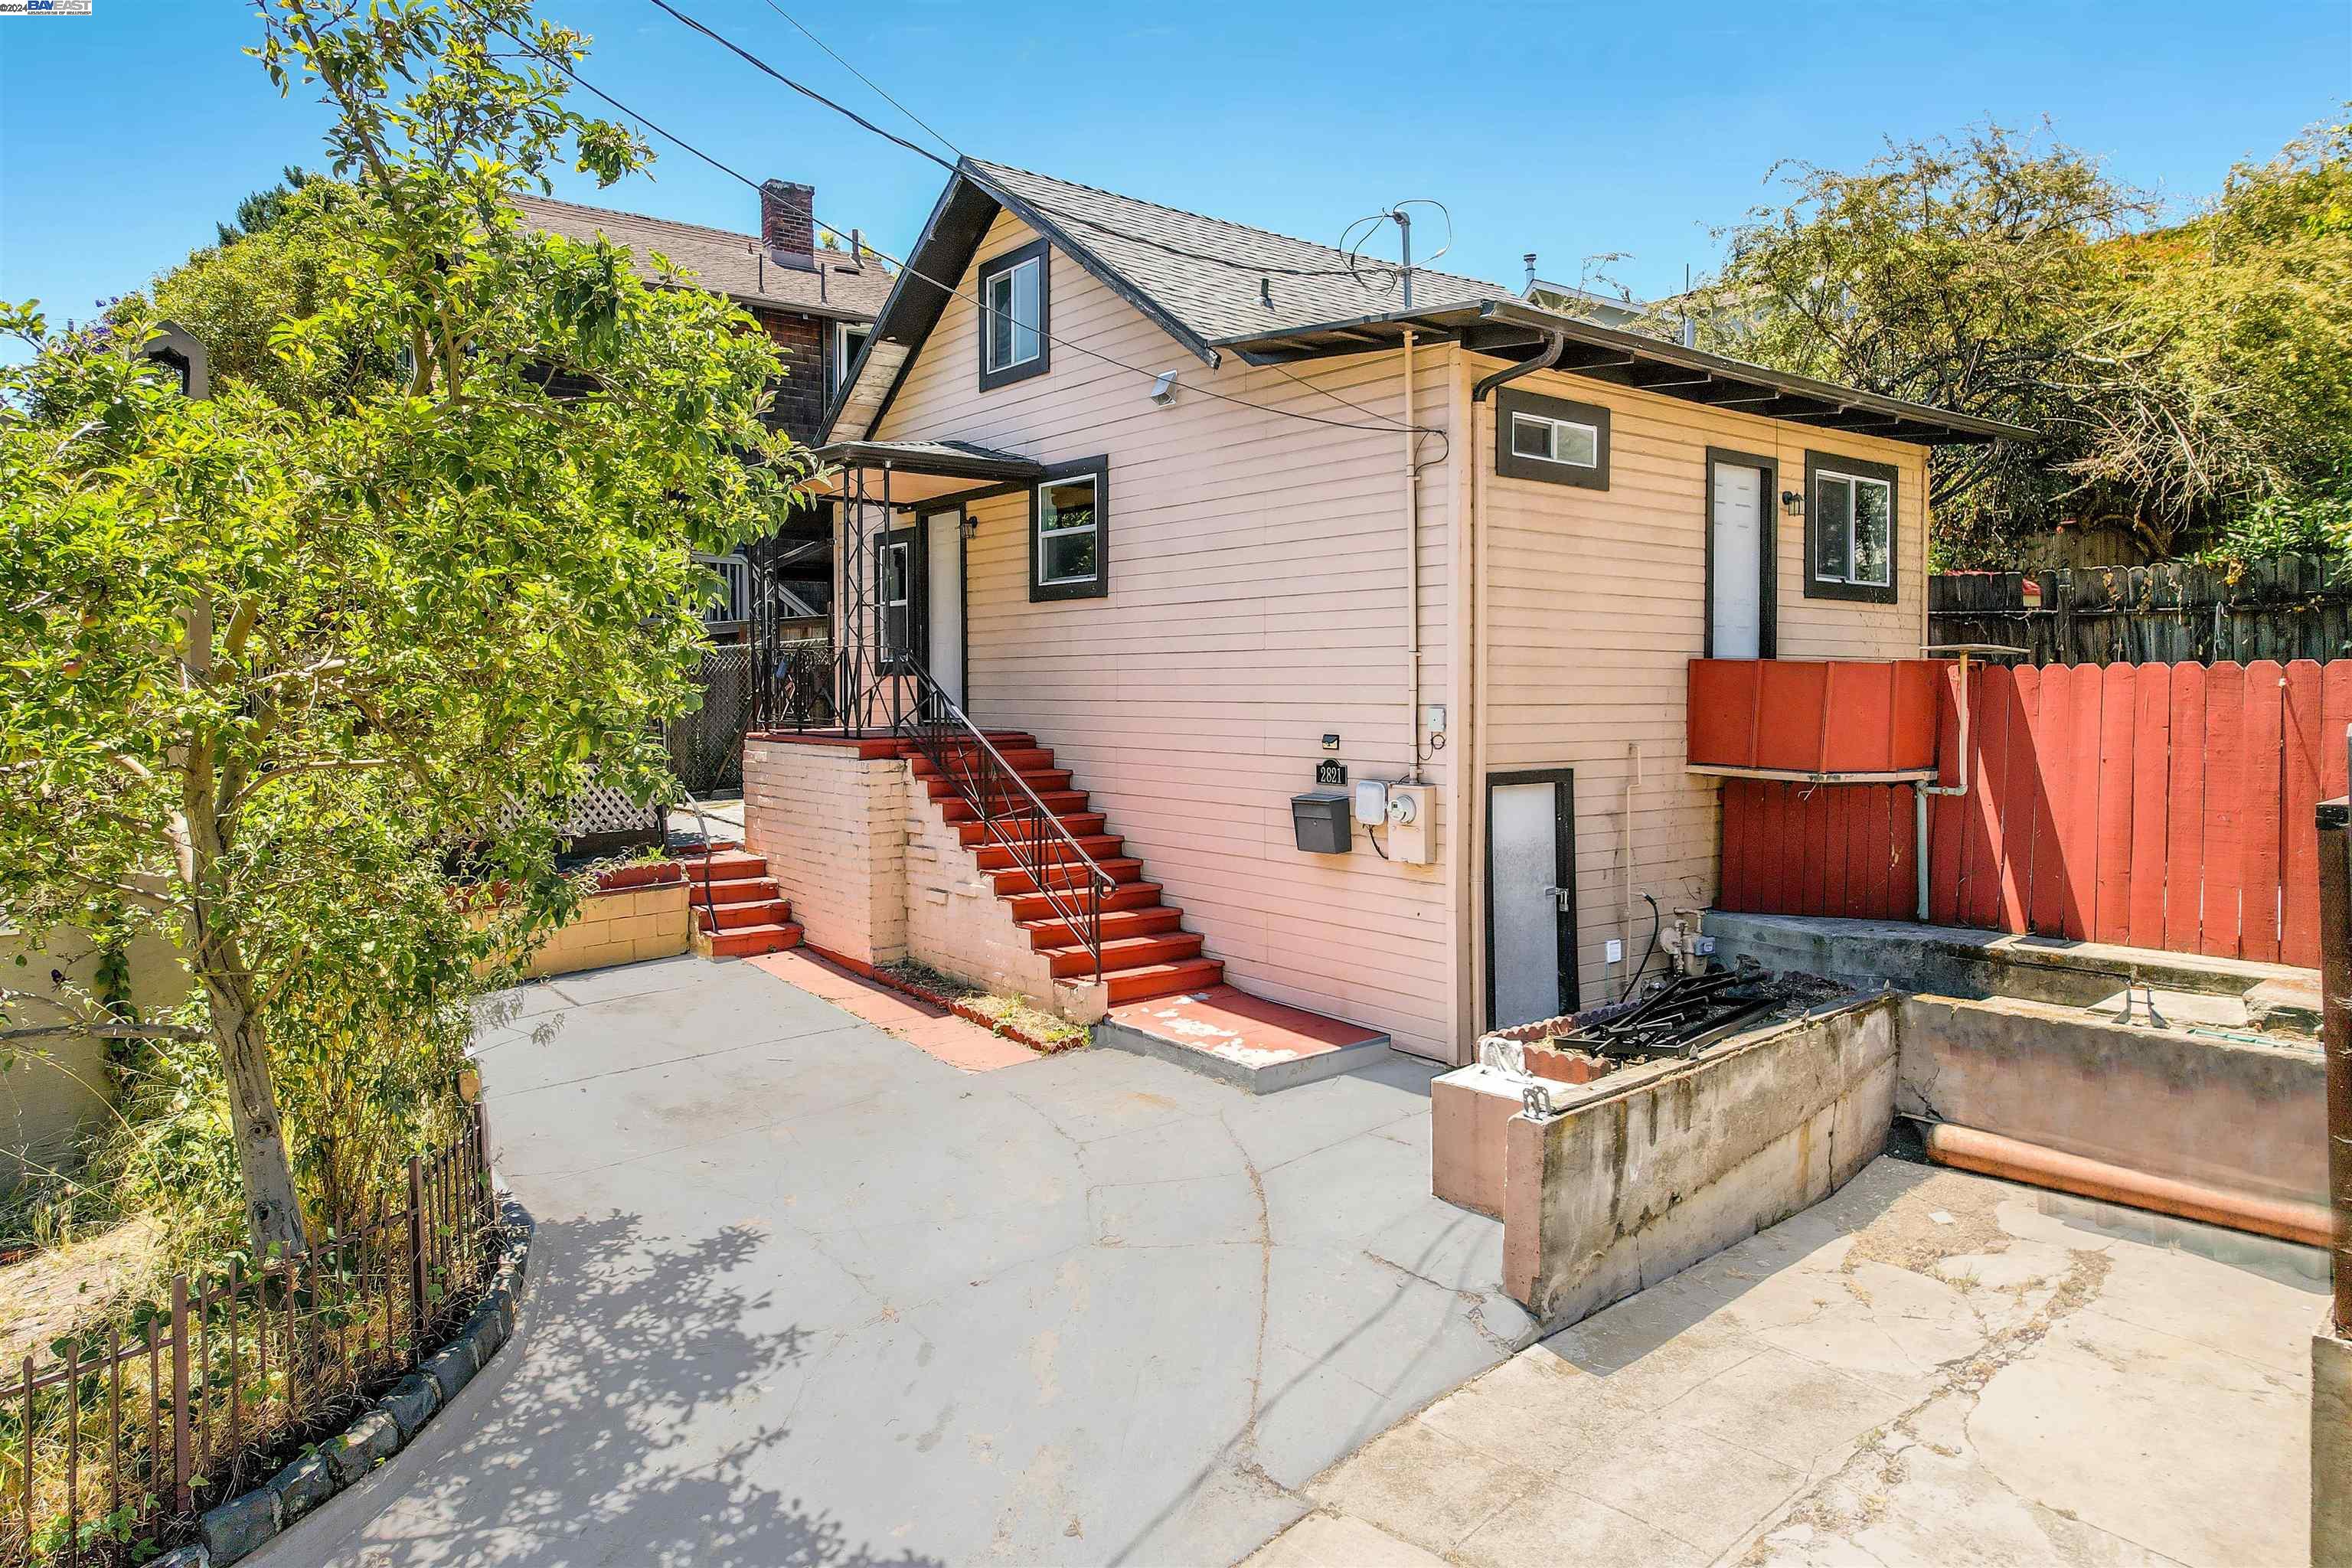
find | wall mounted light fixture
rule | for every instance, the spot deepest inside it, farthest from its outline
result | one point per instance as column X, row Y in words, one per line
column 1793, row 503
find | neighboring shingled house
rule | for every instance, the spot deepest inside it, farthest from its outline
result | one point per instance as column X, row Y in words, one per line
column 816, row 304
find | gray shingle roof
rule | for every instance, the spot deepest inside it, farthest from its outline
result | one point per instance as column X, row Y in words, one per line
column 1217, row 301
column 720, row 260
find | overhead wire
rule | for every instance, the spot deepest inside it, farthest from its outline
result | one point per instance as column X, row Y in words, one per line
column 1388, row 425
column 881, row 90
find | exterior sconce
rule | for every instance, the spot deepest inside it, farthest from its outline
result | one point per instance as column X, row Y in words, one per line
column 1793, row 503
column 969, row 526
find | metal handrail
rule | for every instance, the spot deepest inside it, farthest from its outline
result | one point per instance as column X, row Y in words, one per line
column 1042, row 825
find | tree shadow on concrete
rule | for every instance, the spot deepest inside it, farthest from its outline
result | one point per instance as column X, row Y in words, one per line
column 606, row 1434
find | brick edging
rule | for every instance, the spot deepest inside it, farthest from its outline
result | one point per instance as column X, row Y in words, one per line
column 243, row 1524
column 963, row 1010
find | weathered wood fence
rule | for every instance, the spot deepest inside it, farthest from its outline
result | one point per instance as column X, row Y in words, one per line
column 2164, row 805
column 110, row 1445
column 2290, row 607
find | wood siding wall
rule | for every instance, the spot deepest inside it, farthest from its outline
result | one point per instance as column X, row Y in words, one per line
column 1258, row 602
column 1593, row 603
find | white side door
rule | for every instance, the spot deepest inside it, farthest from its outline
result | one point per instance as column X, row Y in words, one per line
column 1737, row 616
column 945, row 584
column 1530, row 899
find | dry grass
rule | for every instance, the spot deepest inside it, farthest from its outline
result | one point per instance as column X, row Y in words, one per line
column 1014, row 1016
column 53, row 1292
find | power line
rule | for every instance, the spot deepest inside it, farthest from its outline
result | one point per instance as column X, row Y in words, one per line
column 868, row 80
column 1389, row 425
column 810, row 93
column 1272, row 270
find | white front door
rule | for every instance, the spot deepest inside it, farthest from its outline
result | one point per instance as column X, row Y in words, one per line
column 1530, row 898
column 1737, row 559
column 945, row 583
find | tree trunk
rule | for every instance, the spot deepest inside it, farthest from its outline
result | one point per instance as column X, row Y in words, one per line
column 272, row 1211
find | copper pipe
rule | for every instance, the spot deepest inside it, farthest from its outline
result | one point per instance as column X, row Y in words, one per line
column 2013, row 1160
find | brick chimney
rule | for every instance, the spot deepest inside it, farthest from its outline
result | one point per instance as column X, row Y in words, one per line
column 788, row 224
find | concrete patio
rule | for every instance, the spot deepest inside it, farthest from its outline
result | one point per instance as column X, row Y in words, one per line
column 1929, row 1368
column 806, row 1294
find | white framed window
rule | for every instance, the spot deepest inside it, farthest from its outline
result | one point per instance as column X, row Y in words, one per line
column 1067, row 555
column 1015, row 305
column 1854, row 530
column 848, row 338
column 1548, row 440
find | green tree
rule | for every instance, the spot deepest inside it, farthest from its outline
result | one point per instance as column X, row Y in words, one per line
column 2182, row 374
column 272, row 663
column 262, row 209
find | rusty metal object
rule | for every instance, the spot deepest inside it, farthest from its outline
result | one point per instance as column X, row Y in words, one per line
column 2335, row 819
column 2014, row 1160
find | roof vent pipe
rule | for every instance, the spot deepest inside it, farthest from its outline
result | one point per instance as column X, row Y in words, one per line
column 1531, row 269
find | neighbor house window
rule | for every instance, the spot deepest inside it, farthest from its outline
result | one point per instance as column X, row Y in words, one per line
column 1013, row 305
column 1068, row 558
column 1552, row 439
column 1849, row 529
column 847, row 338
column 896, row 593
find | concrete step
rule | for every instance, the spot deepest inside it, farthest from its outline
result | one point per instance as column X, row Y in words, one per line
column 738, row 890
column 1125, row 953
column 747, row 942
column 997, row 858
column 1164, row 980
column 1020, row 759
column 1116, row 924
column 1078, row 824
column 1117, row 867
column 1061, row 802
column 1042, row 781
column 1032, row 907
column 736, row 917
column 728, row 866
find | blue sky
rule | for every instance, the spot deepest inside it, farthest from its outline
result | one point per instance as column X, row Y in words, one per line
column 1568, row 130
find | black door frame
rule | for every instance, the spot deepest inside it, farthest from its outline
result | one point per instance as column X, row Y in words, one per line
column 1563, row 799
column 1768, row 545
column 918, row 591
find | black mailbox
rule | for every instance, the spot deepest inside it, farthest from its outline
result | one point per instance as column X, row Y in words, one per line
column 1322, row 820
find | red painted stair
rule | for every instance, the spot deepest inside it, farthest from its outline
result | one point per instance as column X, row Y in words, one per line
column 1146, row 951
column 738, row 911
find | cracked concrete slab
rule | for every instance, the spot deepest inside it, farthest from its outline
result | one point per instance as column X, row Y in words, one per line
column 1928, row 1368
column 810, row 1295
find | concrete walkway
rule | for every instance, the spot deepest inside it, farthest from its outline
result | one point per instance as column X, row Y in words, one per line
column 1929, row 1368
column 807, row 1295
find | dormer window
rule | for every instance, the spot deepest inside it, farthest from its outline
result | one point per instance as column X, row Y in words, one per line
column 1013, row 302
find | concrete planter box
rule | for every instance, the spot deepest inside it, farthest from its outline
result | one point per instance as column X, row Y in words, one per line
column 1640, row 1173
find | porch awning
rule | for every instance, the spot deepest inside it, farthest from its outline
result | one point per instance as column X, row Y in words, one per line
column 917, row 471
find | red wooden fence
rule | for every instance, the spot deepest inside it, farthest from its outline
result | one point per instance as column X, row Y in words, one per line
column 2165, row 805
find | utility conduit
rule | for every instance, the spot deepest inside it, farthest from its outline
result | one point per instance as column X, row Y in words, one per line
column 2014, row 1160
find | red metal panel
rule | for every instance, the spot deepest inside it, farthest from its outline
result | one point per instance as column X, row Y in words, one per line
column 2078, row 828
column 2016, row 797
column 1817, row 848
column 1858, row 718
column 2305, row 726
column 1912, row 732
column 2051, row 736
column 1945, row 871
column 2151, row 776
column 1722, row 693
column 1790, row 727
column 1980, row 829
column 2111, row 875
column 2184, row 831
column 2225, row 775
column 2258, row 918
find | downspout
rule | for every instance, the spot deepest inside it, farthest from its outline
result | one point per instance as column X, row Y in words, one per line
column 1920, row 792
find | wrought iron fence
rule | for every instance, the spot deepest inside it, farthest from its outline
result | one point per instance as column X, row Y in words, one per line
column 110, row 1450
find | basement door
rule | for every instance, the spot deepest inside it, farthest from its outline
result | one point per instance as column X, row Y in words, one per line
column 1739, row 545
column 1531, row 896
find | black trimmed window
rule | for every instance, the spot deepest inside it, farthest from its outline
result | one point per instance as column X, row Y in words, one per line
column 1552, row 439
column 1850, row 529
column 1069, row 514
column 1015, row 301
